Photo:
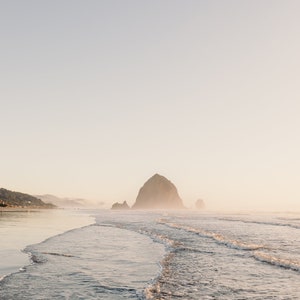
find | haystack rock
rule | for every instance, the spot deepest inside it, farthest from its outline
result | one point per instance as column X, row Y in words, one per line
column 158, row 193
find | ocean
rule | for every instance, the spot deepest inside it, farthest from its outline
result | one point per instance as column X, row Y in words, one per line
column 160, row 255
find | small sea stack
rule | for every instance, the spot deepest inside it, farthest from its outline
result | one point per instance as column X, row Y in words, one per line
column 120, row 206
column 200, row 204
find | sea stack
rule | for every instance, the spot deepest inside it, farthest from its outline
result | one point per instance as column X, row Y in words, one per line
column 200, row 204
column 158, row 193
column 120, row 206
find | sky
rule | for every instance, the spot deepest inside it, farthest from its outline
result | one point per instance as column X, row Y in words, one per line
column 97, row 96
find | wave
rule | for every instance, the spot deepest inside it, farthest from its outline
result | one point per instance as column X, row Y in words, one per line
column 58, row 254
column 39, row 257
column 62, row 234
column 36, row 257
column 231, row 243
column 277, row 261
column 153, row 290
column 261, row 222
column 256, row 249
column 189, row 249
column 160, row 238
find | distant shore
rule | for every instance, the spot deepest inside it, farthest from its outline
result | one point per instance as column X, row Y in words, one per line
column 22, row 226
column 20, row 208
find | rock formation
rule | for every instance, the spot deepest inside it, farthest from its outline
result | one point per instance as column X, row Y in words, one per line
column 158, row 193
column 200, row 204
column 120, row 206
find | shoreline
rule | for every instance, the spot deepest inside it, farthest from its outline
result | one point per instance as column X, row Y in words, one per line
column 21, row 227
column 22, row 208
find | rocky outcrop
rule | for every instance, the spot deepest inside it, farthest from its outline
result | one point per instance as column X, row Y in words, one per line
column 120, row 206
column 158, row 193
column 200, row 204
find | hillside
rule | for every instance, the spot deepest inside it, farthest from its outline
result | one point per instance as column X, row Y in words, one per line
column 70, row 202
column 20, row 200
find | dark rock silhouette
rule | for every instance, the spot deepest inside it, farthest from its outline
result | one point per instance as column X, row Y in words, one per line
column 158, row 193
column 200, row 204
column 117, row 206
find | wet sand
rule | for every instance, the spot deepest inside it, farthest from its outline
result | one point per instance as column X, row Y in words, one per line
column 20, row 227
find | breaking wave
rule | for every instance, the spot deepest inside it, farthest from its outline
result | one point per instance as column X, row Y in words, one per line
column 277, row 261
column 231, row 243
column 137, row 255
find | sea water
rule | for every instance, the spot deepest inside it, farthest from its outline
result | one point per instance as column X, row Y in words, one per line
column 19, row 228
column 165, row 255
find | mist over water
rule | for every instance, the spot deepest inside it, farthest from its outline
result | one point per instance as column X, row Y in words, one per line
column 165, row 255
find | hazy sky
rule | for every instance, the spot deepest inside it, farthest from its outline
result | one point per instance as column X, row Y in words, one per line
column 97, row 96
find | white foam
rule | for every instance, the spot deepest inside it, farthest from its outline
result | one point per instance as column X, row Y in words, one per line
column 277, row 261
column 232, row 243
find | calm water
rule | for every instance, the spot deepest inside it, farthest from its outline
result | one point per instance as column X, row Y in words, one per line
column 153, row 255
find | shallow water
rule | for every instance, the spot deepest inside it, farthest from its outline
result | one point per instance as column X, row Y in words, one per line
column 20, row 228
column 163, row 255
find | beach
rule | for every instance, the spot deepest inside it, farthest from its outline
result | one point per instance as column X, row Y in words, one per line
column 162, row 255
column 20, row 227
